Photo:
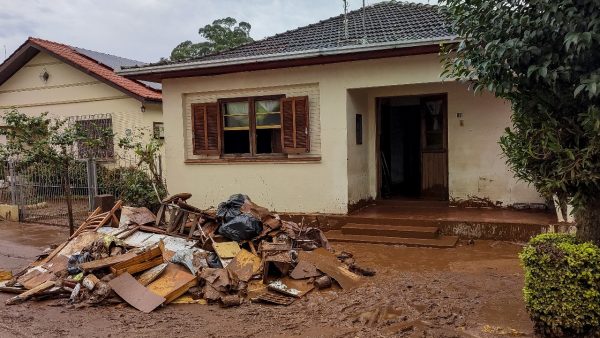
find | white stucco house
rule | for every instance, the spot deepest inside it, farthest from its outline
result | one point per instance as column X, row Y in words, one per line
column 327, row 116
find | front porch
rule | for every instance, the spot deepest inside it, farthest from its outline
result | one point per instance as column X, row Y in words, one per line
column 436, row 224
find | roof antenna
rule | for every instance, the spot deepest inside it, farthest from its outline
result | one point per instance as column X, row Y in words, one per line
column 345, row 19
column 364, row 16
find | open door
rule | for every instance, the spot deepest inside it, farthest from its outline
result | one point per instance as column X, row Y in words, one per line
column 434, row 147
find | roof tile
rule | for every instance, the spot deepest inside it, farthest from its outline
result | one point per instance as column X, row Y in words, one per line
column 94, row 66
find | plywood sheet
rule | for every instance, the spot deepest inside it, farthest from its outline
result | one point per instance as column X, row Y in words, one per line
column 135, row 294
column 174, row 282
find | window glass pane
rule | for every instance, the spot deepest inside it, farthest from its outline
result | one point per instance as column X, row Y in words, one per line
column 268, row 119
column 236, row 114
column 267, row 106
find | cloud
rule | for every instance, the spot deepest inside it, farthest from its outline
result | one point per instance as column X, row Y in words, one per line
column 147, row 30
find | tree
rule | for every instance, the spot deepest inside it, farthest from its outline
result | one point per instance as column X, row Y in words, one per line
column 39, row 139
column 543, row 56
column 223, row 34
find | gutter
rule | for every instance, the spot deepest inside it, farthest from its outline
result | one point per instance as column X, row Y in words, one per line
column 284, row 56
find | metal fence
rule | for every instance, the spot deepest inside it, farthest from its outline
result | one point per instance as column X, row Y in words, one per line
column 38, row 190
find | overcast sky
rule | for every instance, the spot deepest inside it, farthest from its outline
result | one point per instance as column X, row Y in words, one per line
column 147, row 30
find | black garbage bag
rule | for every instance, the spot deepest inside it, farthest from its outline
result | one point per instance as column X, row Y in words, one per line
column 235, row 224
column 231, row 208
column 241, row 228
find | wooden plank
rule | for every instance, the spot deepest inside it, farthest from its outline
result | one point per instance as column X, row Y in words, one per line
column 138, row 259
column 329, row 264
column 135, row 268
column 30, row 293
column 135, row 294
column 106, row 262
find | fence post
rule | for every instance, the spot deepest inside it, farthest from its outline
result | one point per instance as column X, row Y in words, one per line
column 92, row 182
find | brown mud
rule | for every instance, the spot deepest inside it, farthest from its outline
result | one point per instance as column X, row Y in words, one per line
column 468, row 291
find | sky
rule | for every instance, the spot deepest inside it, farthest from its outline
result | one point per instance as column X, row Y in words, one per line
column 146, row 30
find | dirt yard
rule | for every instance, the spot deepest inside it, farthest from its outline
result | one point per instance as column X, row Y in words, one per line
column 468, row 291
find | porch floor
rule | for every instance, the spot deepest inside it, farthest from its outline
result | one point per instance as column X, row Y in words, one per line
column 441, row 211
column 376, row 222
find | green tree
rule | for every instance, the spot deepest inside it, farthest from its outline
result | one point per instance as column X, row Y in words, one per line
column 38, row 139
column 543, row 56
column 223, row 34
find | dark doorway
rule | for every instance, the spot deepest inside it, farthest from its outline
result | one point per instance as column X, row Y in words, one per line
column 400, row 147
column 413, row 147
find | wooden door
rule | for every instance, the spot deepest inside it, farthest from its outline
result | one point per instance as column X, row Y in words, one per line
column 434, row 147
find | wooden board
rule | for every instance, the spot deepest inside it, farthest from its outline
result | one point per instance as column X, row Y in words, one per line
column 226, row 250
column 329, row 264
column 174, row 282
column 105, row 262
column 245, row 265
column 136, row 264
column 135, row 294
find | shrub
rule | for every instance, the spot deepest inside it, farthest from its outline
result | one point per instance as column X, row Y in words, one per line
column 562, row 285
column 132, row 185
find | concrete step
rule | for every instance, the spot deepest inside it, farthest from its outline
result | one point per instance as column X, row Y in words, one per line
column 440, row 242
column 405, row 221
column 390, row 230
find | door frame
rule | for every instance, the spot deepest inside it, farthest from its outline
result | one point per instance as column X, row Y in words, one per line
column 378, row 104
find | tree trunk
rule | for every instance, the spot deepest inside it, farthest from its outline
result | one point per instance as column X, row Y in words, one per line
column 588, row 221
column 67, row 191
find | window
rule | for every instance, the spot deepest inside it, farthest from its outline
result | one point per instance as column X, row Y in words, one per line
column 158, row 130
column 251, row 127
column 98, row 128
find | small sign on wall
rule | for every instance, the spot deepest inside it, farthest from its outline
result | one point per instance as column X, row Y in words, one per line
column 359, row 129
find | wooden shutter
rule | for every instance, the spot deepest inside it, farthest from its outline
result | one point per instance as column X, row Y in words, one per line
column 206, row 128
column 294, row 125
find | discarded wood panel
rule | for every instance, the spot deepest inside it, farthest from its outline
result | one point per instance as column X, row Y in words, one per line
column 135, row 294
column 276, row 298
column 57, row 264
column 34, row 277
column 173, row 282
column 185, row 299
column 328, row 264
column 304, row 270
column 136, row 263
column 152, row 229
column 244, row 265
column 54, row 253
column 150, row 275
column 226, row 250
column 106, row 262
column 139, row 216
column 5, row 275
column 30, row 293
column 143, row 266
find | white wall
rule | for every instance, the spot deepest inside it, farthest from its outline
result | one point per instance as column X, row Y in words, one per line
column 346, row 172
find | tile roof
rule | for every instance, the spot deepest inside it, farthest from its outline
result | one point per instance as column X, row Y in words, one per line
column 385, row 22
column 101, row 67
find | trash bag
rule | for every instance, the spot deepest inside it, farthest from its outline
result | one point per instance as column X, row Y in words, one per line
column 238, row 225
column 231, row 208
column 242, row 227
column 74, row 262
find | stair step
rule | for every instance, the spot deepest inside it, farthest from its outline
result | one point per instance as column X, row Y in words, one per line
column 440, row 242
column 390, row 230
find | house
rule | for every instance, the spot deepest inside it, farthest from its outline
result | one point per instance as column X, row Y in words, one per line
column 325, row 117
column 80, row 84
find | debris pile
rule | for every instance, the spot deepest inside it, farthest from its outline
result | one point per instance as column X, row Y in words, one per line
column 238, row 253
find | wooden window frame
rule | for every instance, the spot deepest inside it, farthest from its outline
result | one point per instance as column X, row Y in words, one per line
column 251, row 125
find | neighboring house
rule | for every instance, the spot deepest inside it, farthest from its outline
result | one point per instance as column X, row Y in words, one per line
column 65, row 81
column 323, row 118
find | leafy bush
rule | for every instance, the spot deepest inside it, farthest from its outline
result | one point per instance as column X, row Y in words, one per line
column 132, row 185
column 562, row 285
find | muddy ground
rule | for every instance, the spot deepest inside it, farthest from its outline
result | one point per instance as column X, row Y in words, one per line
column 468, row 291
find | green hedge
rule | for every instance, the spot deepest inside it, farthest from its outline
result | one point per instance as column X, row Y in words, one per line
column 562, row 285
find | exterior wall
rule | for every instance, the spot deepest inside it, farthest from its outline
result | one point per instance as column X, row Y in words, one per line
column 346, row 172
column 475, row 163
column 70, row 92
